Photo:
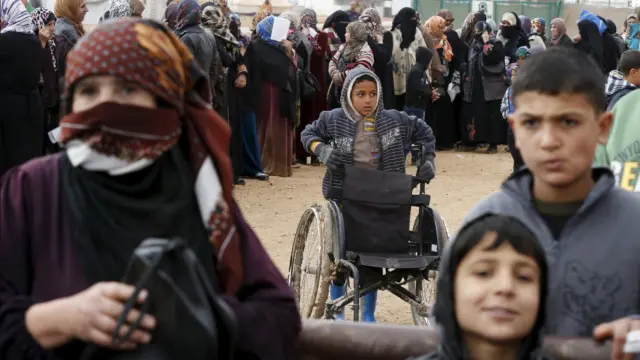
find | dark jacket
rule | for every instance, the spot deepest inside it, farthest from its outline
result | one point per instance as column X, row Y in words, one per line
column 586, row 287
column 418, row 87
column 617, row 95
column 202, row 44
column 488, row 68
column 396, row 130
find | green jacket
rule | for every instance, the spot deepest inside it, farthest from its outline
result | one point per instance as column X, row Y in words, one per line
column 622, row 151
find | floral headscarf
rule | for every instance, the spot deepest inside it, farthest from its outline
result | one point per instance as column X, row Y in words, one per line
column 15, row 17
column 371, row 18
column 357, row 38
column 40, row 17
column 188, row 15
column 116, row 9
column 538, row 25
column 293, row 24
column 148, row 54
column 261, row 15
column 437, row 24
column 214, row 19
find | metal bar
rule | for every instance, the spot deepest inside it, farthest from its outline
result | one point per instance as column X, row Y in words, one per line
column 342, row 340
column 356, row 288
column 408, row 297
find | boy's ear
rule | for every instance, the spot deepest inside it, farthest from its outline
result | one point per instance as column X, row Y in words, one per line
column 604, row 127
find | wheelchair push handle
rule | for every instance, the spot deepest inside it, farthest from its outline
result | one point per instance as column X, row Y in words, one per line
column 417, row 180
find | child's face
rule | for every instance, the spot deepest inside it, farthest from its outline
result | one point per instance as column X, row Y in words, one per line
column 364, row 97
column 497, row 293
column 557, row 136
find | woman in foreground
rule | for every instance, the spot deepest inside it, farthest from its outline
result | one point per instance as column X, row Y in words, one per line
column 144, row 156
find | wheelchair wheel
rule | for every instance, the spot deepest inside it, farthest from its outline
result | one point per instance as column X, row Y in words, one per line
column 309, row 266
column 428, row 286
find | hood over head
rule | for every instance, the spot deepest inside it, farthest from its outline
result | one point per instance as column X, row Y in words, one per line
column 452, row 344
column 345, row 96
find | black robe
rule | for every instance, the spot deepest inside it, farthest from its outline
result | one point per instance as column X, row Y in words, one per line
column 22, row 116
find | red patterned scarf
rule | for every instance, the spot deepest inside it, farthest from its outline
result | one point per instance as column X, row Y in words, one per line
column 148, row 54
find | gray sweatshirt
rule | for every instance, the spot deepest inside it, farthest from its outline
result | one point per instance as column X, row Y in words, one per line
column 593, row 266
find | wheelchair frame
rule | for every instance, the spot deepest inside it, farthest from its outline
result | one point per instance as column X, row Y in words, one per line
column 392, row 280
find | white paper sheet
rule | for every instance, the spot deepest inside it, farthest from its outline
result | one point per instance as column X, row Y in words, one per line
column 54, row 135
column 280, row 29
column 312, row 32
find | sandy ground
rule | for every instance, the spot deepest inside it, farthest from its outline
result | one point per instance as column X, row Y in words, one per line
column 274, row 208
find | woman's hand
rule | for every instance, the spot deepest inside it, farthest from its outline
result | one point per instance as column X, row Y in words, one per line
column 435, row 95
column 241, row 81
column 91, row 316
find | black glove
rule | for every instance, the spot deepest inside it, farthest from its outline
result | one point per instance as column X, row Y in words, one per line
column 329, row 156
column 427, row 171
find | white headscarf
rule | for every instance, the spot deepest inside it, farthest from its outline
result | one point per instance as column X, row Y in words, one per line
column 15, row 17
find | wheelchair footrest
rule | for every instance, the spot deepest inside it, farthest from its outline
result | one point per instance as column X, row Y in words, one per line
column 391, row 261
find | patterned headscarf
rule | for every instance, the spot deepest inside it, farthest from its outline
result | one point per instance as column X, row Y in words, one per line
column 69, row 9
column 357, row 38
column 371, row 18
column 188, row 15
column 40, row 17
column 116, row 9
column 214, row 19
column 437, row 24
column 308, row 19
column 15, row 17
column 261, row 15
column 538, row 25
column 148, row 54
column 264, row 29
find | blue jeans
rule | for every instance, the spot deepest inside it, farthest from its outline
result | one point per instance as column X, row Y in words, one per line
column 419, row 113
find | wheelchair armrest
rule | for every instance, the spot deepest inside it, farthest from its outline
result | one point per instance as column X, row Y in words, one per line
column 420, row 200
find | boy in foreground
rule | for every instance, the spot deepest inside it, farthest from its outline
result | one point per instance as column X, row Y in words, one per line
column 587, row 226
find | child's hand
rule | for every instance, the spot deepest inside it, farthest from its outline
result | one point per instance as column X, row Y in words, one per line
column 435, row 95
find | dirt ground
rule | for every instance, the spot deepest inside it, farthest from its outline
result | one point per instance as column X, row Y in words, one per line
column 274, row 208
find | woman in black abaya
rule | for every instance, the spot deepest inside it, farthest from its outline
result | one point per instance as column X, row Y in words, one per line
column 591, row 41
column 484, row 87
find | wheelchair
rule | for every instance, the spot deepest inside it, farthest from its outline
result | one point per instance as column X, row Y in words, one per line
column 364, row 227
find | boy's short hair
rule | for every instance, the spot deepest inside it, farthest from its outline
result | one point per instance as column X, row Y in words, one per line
column 630, row 59
column 562, row 70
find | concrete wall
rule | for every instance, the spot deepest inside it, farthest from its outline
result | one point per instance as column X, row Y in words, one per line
column 572, row 11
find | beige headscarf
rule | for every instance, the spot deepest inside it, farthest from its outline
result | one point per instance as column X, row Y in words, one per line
column 357, row 38
column 69, row 9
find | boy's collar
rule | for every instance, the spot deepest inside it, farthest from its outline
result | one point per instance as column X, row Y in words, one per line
column 520, row 184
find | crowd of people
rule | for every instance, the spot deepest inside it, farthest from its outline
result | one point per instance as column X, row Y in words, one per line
column 157, row 122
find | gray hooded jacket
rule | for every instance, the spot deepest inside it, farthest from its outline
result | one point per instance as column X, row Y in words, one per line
column 396, row 131
column 593, row 266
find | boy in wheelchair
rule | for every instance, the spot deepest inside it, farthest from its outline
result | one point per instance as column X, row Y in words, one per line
column 363, row 134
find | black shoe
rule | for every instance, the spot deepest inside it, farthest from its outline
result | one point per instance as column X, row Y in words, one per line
column 261, row 176
column 492, row 149
column 239, row 181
